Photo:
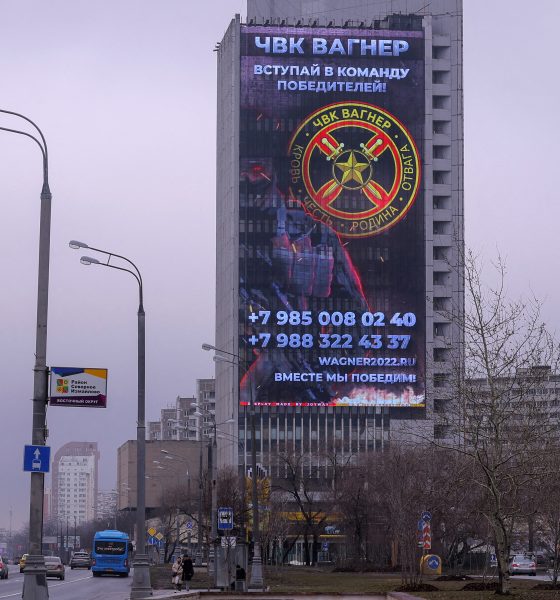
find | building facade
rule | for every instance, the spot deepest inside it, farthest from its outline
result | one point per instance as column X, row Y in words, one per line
column 298, row 418
column 107, row 506
column 190, row 419
column 75, row 474
column 171, row 465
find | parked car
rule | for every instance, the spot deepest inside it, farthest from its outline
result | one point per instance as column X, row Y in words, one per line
column 22, row 563
column 80, row 559
column 3, row 567
column 523, row 565
column 55, row 568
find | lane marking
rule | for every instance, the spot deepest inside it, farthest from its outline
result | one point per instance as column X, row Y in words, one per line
column 70, row 581
column 51, row 585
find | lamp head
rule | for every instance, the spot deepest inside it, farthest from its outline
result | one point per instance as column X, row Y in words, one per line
column 74, row 244
column 208, row 347
column 88, row 260
column 220, row 358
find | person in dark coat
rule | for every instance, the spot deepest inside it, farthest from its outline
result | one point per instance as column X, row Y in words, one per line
column 240, row 573
column 188, row 571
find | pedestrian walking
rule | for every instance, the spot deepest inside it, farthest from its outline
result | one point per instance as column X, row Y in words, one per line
column 177, row 574
column 188, row 571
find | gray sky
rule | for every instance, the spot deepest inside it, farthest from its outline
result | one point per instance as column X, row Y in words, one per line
column 124, row 91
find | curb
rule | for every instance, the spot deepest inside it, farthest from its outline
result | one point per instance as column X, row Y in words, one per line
column 402, row 596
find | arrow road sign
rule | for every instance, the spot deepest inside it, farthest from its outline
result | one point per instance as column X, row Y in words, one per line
column 37, row 459
column 225, row 518
column 433, row 562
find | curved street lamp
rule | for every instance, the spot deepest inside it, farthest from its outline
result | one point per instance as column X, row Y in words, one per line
column 256, row 580
column 35, row 582
column 141, row 586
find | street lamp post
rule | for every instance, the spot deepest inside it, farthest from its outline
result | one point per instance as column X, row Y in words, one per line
column 256, row 580
column 198, row 559
column 35, row 581
column 213, row 459
column 141, row 586
column 212, row 566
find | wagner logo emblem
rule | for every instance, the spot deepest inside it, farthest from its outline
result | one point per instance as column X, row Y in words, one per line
column 354, row 167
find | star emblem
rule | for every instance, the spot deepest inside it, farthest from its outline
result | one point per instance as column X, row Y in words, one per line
column 352, row 169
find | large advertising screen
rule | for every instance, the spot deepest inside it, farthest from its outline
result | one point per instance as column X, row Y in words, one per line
column 331, row 217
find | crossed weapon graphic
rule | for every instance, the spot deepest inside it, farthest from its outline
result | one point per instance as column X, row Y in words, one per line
column 373, row 191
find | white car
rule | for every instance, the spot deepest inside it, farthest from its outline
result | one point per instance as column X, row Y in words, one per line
column 523, row 565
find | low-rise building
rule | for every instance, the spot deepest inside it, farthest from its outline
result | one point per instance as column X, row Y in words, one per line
column 172, row 466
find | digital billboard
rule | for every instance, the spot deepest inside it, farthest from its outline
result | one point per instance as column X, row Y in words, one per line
column 331, row 217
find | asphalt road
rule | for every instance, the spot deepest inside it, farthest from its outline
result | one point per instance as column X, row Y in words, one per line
column 78, row 583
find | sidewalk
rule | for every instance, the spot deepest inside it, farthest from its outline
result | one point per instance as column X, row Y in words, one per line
column 215, row 594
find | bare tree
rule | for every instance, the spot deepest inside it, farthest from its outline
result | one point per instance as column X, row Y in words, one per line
column 170, row 519
column 356, row 506
column 232, row 493
column 397, row 480
column 275, row 528
column 310, row 497
column 492, row 417
column 547, row 515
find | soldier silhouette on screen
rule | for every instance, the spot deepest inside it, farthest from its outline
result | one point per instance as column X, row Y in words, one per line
column 301, row 265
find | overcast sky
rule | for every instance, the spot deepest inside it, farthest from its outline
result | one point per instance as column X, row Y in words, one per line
column 124, row 91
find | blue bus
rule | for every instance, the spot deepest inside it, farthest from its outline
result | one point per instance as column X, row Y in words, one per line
column 110, row 553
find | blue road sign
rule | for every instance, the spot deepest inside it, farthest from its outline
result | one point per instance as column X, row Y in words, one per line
column 153, row 541
column 37, row 459
column 426, row 516
column 225, row 518
column 190, row 524
column 433, row 562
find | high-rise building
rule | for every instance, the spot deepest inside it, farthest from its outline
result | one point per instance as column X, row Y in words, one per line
column 191, row 417
column 75, row 474
column 176, row 422
column 206, row 407
column 339, row 225
column 107, row 506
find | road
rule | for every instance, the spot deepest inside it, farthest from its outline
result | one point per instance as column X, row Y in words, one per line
column 78, row 584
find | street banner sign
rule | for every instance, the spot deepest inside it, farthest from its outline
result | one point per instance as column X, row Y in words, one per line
column 225, row 518
column 70, row 386
column 37, row 459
